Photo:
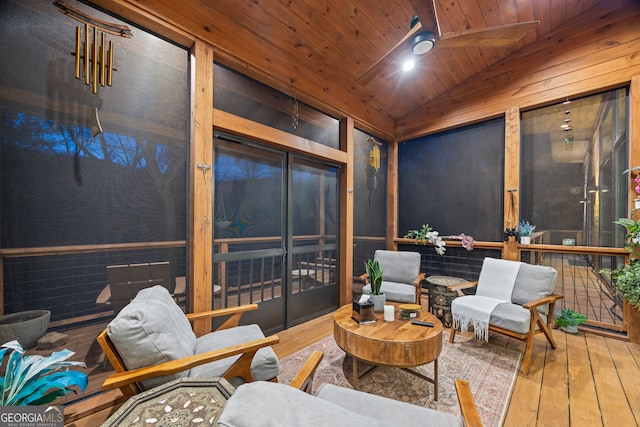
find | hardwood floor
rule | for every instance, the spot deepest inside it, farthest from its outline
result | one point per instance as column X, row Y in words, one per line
column 589, row 380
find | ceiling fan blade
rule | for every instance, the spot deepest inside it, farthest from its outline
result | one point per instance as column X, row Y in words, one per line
column 425, row 10
column 403, row 47
column 499, row 36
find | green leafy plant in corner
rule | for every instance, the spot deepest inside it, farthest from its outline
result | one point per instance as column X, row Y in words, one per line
column 375, row 275
column 35, row 379
column 626, row 281
column 569, row 317
column 632, row 237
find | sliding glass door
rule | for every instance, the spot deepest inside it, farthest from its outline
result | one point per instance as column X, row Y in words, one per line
column 313, row 226
column 274, row 233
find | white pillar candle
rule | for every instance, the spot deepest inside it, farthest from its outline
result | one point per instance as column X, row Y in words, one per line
column 388, row 313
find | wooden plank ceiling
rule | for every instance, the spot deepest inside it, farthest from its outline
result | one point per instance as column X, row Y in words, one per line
column 320, row 51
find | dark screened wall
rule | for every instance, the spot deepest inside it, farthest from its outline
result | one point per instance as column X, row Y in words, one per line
column 453, row 181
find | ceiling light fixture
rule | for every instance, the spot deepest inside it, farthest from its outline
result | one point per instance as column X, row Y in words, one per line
column 408, row 64
column 423, row 42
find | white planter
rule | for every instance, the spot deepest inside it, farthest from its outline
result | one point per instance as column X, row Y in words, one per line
column 378, row 302
column 525, row 240
column 570, row 329
column 636, row 203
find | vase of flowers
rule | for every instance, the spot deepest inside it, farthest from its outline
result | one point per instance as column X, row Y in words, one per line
column 636, row 201
column 428, row 235
column 525, row 230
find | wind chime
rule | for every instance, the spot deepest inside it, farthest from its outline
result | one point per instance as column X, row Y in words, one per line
column 94, row 61
column 374, row 154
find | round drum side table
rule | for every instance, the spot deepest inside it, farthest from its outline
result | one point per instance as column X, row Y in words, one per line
column 440, row 297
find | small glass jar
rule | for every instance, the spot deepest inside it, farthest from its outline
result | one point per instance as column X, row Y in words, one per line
column 409, row 311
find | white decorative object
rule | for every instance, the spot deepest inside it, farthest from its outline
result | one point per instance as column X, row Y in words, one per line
column 525, row 240
column 389, row 314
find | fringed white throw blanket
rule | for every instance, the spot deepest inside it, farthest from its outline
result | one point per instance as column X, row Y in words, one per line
column 495, row 285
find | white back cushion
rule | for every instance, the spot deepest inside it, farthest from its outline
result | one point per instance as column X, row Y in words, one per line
column 152, row 329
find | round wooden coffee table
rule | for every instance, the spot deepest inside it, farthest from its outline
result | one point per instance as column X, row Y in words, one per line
column 397, row 344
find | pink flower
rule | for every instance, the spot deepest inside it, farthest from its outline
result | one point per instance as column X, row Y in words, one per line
column 637, row 180
column 466, row 241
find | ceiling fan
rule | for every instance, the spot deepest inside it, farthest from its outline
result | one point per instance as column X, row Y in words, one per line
column 425, row 34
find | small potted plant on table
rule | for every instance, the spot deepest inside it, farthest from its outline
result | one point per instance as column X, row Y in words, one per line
column 375, row 279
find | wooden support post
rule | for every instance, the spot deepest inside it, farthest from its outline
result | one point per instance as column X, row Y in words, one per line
column 511, row 180
column 201, row 184
column 392, row 195
column 346, row 212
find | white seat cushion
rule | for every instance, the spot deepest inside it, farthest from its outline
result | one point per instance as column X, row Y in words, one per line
column 393, row 291
column 385, row 409
column 264, row 366
column 267, row 404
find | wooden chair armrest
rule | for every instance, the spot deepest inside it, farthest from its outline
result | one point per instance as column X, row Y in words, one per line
column 459, row 288
column 174, row 366
column 234, row 312
column 419, row 280
column 304, row 378
column 462, row 286
column 364, row 277
column 542, row 301
column 221, row 312
column 467, row 404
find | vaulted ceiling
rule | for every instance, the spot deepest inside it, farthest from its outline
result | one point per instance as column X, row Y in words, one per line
column 325, row 51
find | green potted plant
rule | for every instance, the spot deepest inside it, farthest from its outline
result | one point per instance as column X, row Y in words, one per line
column 626, row 278
column 626, row 282
column 375, row 279
column 636, row 200
column 525, row 230
column 569, row 320
column 37, row 380
column 632, row 237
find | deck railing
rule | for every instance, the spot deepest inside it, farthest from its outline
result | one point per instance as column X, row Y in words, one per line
column 580, row 280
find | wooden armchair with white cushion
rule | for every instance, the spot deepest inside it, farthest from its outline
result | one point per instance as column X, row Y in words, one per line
column 151, row 341
column 401, row 277
column 512, row 298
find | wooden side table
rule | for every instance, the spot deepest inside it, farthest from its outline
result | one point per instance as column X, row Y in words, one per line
column 440, row 297
column 181, row 402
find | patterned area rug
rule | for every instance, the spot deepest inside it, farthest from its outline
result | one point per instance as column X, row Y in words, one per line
column 491, row 371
